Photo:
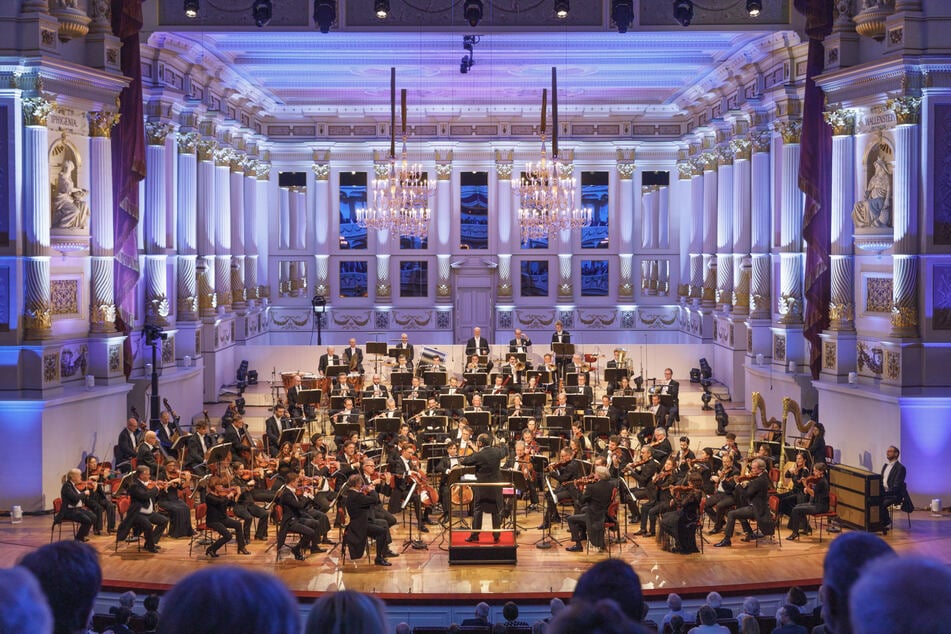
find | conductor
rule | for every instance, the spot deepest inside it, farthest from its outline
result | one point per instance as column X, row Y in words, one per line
column 487, row 461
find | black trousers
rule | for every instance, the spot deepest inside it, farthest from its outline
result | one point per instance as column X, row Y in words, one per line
column 486, row 505
column 83, row 516
column 101, row 506
column 305, row 527
column 744, row 514
column 799, row 513
column 224, row 528
column 246, row 513
column 150, row 525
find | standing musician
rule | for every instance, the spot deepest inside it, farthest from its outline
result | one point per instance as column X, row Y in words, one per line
column 595, row 501
column 170, row 502
column 671, row 388
column 99, row 503
column 402, row 471
column 476, row 345
column 219, row 497
column 245, row 508
column 329, row 359
column 361, row 498
column 142, row 513
column 295, row 407
column 565, row 472
column 376, row 389
column 560, row 335
column 294, row 502
column 487, row 499
column 405, row 347
column 353, row 357
column 722, row 500
column 146, row 453
column 198, row 445
column 817, row 492
column 126, row 445
column 75, row 506
column 680, row 523
column 166, row 429
column 273, row 427
column 520, row 343
column 757, row 506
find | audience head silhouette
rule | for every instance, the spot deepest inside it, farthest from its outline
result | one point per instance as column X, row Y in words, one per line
column 346, row 611
column 612, row 579
column 70, row 577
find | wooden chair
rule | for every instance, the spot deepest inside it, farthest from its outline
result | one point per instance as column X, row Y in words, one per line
column 774, row 516
column 823, row 519
column 282, row 534
column 202, row 532
column 122, row 507
column 59, row 521
column 830, row 454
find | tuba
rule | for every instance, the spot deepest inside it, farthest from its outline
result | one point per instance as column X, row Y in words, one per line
column 622, row 360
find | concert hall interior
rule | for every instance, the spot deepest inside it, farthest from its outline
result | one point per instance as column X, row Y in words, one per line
column 745, row 217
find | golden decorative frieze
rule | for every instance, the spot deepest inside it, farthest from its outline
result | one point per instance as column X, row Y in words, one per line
column 907, row 109
column 36, row 110
column 790, row 130
column 841, row 120
column 101, row 123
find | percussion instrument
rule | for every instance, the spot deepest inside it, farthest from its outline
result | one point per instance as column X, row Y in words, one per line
column 308, row 382
column 287, row 378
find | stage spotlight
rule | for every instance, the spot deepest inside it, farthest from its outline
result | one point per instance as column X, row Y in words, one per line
column 472, row 11
column 705, row 384
column 325, row 12
column 191, row 9
column 261, row 12
column 722, row 419
column 561, row 9
column 622, row 12
column 240, row 405
column 705, row 370
column 694, row 375
column 753, row 7
column 252, row 377
column 706, row 397
column 683, row 12
column 382, row 8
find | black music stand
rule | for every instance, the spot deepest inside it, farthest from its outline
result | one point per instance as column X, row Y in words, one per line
column 436, row 379
column 292, row 435
column 452, row 402
column 432, row 451
column 550, row 499
column 312, row 398
column 495, row 403
column 558, row 424
column 400, row 381
column 667, row 400
column 337, row 402
column 376, row 347
column 624, row 403
column 571, row 379
column 641, row 420
column 478, row 421
column 519, row 485
column 476, row 379
column 179, row 446
column 614, row 375
column 563, row 349
column 417, row 544
column 334, row 371
column 534, row 400
column 433, row 425
column 516, row 424
column 600, row 425
column 219, row 453
column 413, row 406
column 386, row 425
column 542, row 377
column 551, row 444
column 373, row 405
column 580, row 402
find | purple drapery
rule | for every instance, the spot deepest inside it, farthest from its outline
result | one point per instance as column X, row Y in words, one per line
column 815, row 181
column 128, row 168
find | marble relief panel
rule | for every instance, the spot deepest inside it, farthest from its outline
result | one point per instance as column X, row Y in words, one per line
column 878, row 295
column 942, row 174
column 941, row 293
column 64, row 297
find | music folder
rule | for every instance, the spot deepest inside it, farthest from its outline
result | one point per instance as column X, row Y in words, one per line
column 436, row 379
column 478, row 421
column 433, row 423
column 345, row 430
column 373, row 405
column 624, row 403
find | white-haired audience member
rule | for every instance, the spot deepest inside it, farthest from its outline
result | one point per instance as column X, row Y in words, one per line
column 715, row 601
column 750, row 607
column 674, row 608
column 902, row 594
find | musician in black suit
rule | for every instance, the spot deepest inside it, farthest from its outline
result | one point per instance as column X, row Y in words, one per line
column 584, row 389
column 595, row 501
column 561, row 407
column 353, row 357
column 405, row 347
column 347, row 414
column 662, row 418
column 245, row 508
column 520, row 343
column 818, row 491
column 293, row 397
column 757, row 506
column 477, row 344
column 219, row 497
column 165, row 429
column 361, row 499
column 402, row 467
column 443, row 467
column 273, row 427
column 198, row 445
column 145, row 453
column 607, row 410
column 142, row 514
column 75, row 505
column 235, row 434
column 560, row 335
column 671, row 388
column 721, row 501
column 126, row 445
column 99, row 503
column 295, row 518
column 565, row 472
column 330, row 358
column 487, row 499
column 893, row 480
column 376, row 389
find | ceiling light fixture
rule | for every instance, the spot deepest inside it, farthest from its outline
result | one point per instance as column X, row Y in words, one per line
column 191, row 9
column 382, row 8
column 261, row 11
column 683, row 12
column 754, row 7
column 325, row 12
column 472, row 12
column 622, row 12
column 561, row 9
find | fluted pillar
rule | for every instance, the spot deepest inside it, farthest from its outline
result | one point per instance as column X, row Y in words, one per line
column 905, row 321
column 102, row 306
column 503, row 179
column 205, row 268
column 725, row 211
column 223, row 226
column 156, row 190
column 740, row 300
column 696, row 230
column 761, row 283
column 263, row 171
column 239, row 298
column 625, row 204
column 186, row 239
column 841, row 305
column 37, row 314
column 323, row 203
column 682, row 202
column 443, row 222
column 649, row 205
column 708, row 294
column 791, row 200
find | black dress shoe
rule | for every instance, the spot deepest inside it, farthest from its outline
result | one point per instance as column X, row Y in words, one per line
column 298, row 555
column 210, row 553
column 423, row 529
column 81, row 539
column 650, row 534
column 577, row 548
column 472, row 539
column 544, row 526
column 430, row 522
column 715, row 531
column 244, row 551
column 97, row 532
column 390, row 554
column 793, row 537
column 153, row 549
column 748, row 537
column 317, row 549
column 382, row 562
column 806, row 531
column 639, row 533
column 723, row 543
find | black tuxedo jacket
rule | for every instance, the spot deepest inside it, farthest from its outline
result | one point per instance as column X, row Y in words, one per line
column 482, row 349
column 565, row 337
column 195, row 456
column 140, row 496
column 406, row 350
column 359, row 507
column 145, row 455
column 487, row 462
column 217, row 507
column 384, row 392
column 327, row 361
column 272, row 429
column 596, row 498
column 126, row 446
column 347, row 356
column 514, row 344
column 896, row 479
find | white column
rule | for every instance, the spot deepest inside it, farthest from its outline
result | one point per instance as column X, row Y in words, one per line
column 223, row 227
column 725, row 211
column 206, row 213
column 760, row 179
column 696, row 231
column 156, row 191
column 741, row 225
column 508, row 239
column 299, row 219
column 682, row 202
column 841, row 305
column 187, row 235
column 37, row 317
column 663, row 218
column 905, row 172
column 648, row 217
column 261, row 244
column 790, row 282
column 323, row 205
column 625, row 207
column 238, row 292
column 102, row 307
column 708, row 296
column 284, row 218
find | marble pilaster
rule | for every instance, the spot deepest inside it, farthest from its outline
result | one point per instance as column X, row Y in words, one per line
column 791, row 200
column 905, row 317
column 102, row 308
column 37, row 316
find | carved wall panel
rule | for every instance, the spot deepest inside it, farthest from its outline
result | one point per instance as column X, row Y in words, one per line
column 941, row 294
column 941, row 184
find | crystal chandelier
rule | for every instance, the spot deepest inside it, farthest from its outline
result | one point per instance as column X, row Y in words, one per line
column 547, row 188
column 401, row 190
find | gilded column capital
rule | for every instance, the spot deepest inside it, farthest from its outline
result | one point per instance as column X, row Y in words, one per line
column 321, row 171
column 238, row 162
column 684, row 170
column 187, row 142
column 742, row 148
column 907, row 109
column 504, row 171
column 724, row 155
column 761, row 140
column 101, row 123
column 904, row 317
column 206, row 149
column 223, row 156
column 38, row 321
column 790, row 130
column 157, row 131
column 840, row 313
column 626, row 170
column 381, row 170
column 841, row 120
column 444, row 171
column 696, row 166
column 708, row 161
column 36, row 110
column 262, row 170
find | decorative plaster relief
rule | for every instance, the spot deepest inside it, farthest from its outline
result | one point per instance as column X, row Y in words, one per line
column 828, row 355
column 381, row 319
column 878, row 295
column 444, row 320
column 64, row 297
column 779, row 347
column 941, row 293
column 414, row 319
column 73, row 360
column 942, row 174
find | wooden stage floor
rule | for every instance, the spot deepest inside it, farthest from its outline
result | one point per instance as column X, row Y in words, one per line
column 426, row 576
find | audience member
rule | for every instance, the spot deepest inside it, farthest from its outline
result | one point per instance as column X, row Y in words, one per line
column 23, row 608
column 676, row 625
column 403, row 628
column 346, row 611
column 748, row 624
column 846, row 557
column 715, row 601
column 556, row 605
column 750, row 607
column 674, row 607
column 510, row 613
column 70, row 576
column 601, row 617
column 481, row 617
column 707, row 618
column 121, row 624
column 612, row 579
column 257, row 603
column 126, row 600
column 797, row 597
column 150, row 622
column 787, row 621
column 906, row 594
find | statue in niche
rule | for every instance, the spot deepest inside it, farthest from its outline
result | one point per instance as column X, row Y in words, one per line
column 875, row 210
column 70, row 209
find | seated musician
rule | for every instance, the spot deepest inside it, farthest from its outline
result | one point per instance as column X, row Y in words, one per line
column 659, row 499
column 521, row 459
column 376, row 389
column 474, row 366
column 416, row 389
column 245, row 507
column 432, row 408
column 170, row 502
column 126, row 445
column 236, row 434
column 585, row 444
column 361, row 501
column 294, row 501
column 342, row 386
column 549, row 383
column 684, row 453
column 99, row 503
column 378, row 480
column 288, row 459
column 467, row 446
column 817, row 501
column 74, row 496
column 500, row 386
column 756, row 506
column 582, row 388
column 166, row 429
column 729, row 447
column 625, row 436
column 230, row 413
column 607, row 410
column 661, row 444
column 531, row 445
column 614, row 364
column 517, row 409
column 793, row 478
column 531, row 385
column 595, row 500
column 347, row 414
column 722, row 500
column 671, row 388
column 273, row 426
column 403, row 364
column 147, row 452
column 198, row 445
column 763, row 452
column 514, row 369
column 565, row 472
column 436, row 365
column 219, row 498
column 624, row 388
column 452, row 387
column 561, row 407
column 616, row 458
column 520, row 343
column 476, row 404
column 403, row 468
column 680, row 522
column 576, row 365
column 143, row 513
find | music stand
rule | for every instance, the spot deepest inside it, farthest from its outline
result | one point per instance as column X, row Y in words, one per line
column 580, row 402
column 614, row 375
column 413, row 406
column 534, row 400
column 376, row 347
column 563, row 349
column 345, row 430
column 496, row 403
column 624, row 403
column 551, row 444
column 312, row 398
column 218, row 453
column 640, row 420
column 550, row 498
column 478, row 421
column 433, row 424
column 436, row 379
column 337, row 402
column 452, row 402
column 516, row 424
column 600, row 425
column 417, row 543
column 291, row 435
column 558, row 424
column 667, row 400
column 373, row 405
column 476, row 379
column 400, row 381
column 433, row 451
column 179, row 446
column 571, row 379
column 386, row 425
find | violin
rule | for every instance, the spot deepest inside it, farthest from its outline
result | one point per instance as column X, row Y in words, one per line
column 558, row 465
column 580, row 482
column 635, row 465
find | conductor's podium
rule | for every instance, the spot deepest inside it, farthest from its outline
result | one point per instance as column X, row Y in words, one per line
column 486, row 550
